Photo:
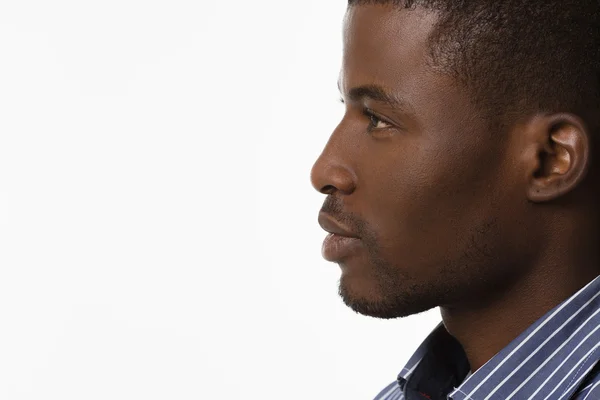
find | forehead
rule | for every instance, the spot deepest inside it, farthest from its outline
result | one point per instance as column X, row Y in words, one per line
column 384, row 44
column 389, row 47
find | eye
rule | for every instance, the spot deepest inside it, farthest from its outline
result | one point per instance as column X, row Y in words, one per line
column 375, row 122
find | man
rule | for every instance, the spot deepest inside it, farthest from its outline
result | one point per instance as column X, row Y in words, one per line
column 464, row 175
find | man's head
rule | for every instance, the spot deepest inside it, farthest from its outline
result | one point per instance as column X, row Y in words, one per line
column 466, row 146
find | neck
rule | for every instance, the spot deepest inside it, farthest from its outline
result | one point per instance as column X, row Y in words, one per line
column 485, row 327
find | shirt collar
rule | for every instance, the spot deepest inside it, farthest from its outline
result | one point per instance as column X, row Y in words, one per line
column 537, row 362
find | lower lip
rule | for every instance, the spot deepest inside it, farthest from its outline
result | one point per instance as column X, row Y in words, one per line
column 336, row 247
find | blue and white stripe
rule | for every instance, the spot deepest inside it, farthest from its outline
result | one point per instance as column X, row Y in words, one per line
column 556, row 358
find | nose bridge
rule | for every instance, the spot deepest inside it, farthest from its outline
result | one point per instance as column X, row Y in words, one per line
column 332, row 171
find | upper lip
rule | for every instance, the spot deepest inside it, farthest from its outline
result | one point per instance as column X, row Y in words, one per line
column 329, row 224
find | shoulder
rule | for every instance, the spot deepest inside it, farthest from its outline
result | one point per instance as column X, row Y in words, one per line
column 590, row 388
column 391, row 391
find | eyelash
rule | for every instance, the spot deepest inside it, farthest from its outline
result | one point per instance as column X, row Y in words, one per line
column 373, row 120
column 372, row 116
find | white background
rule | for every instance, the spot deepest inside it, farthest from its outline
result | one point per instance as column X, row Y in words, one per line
column 158, row 228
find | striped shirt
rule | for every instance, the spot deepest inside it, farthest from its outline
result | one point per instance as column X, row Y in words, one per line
column 556, row 358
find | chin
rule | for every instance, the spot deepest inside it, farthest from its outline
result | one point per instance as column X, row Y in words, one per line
column 367, row 298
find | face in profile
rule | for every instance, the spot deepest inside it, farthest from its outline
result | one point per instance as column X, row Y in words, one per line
column 414, row 172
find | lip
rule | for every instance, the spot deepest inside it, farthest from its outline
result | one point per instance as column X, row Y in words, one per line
column 336, row 247
column 332, row 226
column 340, row 242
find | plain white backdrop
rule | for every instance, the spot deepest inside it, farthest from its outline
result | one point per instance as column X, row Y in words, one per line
column 158, row 228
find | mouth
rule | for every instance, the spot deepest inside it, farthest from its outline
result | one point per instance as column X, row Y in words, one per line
column 340, row 242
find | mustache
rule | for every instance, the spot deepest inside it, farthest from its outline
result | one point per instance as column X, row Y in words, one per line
column 335, row 208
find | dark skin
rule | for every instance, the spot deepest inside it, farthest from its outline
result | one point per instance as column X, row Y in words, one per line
column 494, row 229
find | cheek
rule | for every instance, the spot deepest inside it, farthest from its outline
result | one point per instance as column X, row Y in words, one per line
column 422, row 195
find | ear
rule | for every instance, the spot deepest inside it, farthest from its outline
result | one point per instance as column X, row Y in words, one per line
column 560, row 156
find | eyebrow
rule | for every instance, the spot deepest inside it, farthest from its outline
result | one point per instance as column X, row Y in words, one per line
column 378, row 93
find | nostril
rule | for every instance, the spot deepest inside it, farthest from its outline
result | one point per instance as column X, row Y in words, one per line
column 328, row 189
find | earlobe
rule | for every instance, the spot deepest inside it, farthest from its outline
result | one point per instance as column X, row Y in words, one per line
column 563, row 156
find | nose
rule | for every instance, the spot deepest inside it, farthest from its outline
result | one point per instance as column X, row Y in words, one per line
column 330, row 173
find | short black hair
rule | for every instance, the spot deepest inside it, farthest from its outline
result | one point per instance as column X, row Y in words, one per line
column 519, row 57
